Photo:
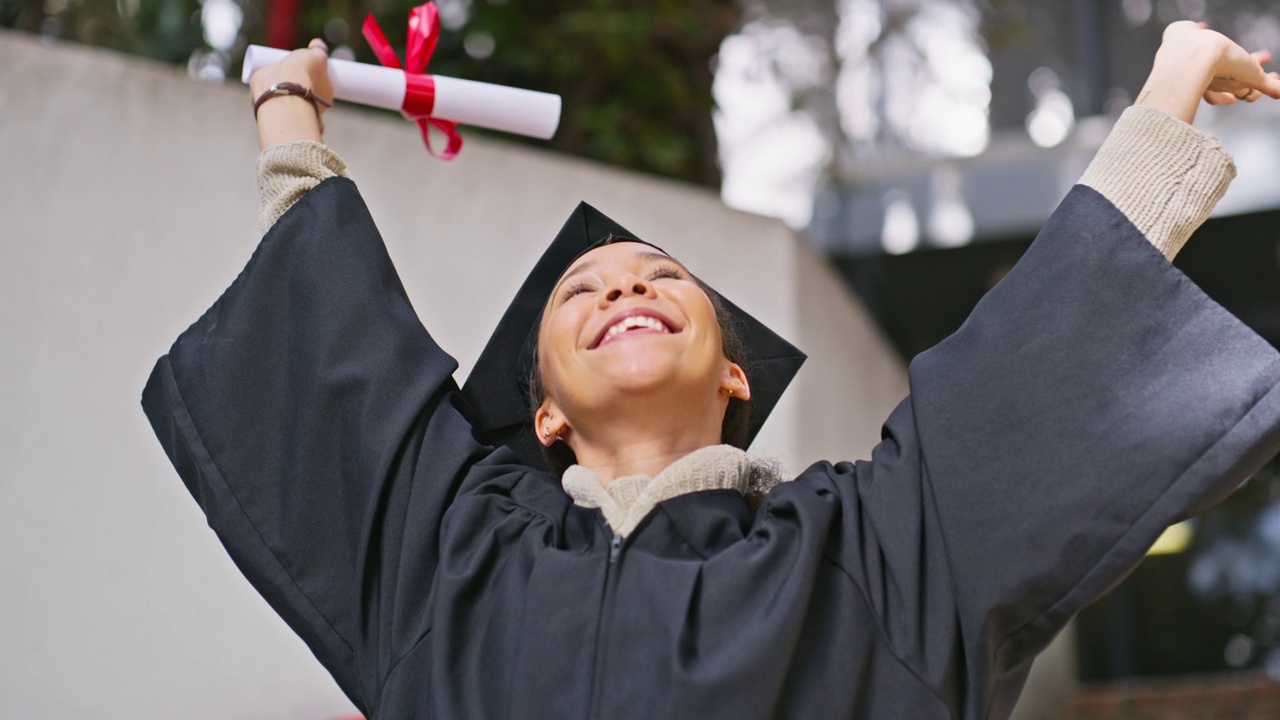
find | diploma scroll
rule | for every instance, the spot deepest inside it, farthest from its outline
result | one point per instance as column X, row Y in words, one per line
column 497, row 107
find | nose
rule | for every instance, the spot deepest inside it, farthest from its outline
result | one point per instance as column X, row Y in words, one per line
column 627, row 284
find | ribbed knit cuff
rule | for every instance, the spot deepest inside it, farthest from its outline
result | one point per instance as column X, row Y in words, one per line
column 1163, row 174
column 287, row 172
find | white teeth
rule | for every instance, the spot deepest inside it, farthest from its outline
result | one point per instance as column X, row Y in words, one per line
column 635, row 321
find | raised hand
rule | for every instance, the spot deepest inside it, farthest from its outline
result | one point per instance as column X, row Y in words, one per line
column 286, row 118
column 1195, row 62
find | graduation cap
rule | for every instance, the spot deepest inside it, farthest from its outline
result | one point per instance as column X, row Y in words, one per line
column 498, row 386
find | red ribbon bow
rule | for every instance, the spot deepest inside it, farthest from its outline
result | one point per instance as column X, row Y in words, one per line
column 420, row 88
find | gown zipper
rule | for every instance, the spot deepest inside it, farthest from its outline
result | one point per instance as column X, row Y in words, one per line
column 615, row 549
column 606, row 614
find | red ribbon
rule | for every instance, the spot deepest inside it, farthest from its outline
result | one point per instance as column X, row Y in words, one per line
column 420, row 88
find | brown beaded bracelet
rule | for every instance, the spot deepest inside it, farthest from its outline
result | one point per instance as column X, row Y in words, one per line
column 290, row 88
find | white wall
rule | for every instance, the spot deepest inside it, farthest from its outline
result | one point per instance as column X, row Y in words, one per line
column 127, row 204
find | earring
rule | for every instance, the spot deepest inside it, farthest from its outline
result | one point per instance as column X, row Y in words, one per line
column 730, row 392
column 545, row 432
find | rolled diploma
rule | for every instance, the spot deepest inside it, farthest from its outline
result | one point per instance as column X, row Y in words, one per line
column 497, row 107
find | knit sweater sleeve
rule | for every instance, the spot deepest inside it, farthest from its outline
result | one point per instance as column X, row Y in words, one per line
column 1164, row 175
column 288, row 171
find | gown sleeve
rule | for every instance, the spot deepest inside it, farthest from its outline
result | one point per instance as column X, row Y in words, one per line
column 1094, row 397
column 318, row 426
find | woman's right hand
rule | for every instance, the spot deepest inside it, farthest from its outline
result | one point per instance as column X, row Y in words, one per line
column 287, row 118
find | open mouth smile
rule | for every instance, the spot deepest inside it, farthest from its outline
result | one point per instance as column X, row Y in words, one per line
column 635, row 322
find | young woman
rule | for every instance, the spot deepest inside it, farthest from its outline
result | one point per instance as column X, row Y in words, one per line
column 406, row 531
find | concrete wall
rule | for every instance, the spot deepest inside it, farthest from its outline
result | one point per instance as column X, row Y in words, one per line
column 127, row 204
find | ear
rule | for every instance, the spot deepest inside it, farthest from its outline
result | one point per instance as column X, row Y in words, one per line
column 547, row 424
column 734, row 382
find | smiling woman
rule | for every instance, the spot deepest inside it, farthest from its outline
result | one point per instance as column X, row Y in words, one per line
column 412, row 533
column 636, row 311
column 631, row 337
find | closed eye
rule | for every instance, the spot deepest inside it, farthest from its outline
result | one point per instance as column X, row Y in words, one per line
column 666, row 272
column 575, row 288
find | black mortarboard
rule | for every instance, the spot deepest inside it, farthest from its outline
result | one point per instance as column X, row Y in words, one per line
column 497, row 388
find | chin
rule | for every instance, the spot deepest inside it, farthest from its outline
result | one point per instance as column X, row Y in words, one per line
column 643, row 381
column 640, row 376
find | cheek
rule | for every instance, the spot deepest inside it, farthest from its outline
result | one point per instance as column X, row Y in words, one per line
column 704, row 316
column 556, row 341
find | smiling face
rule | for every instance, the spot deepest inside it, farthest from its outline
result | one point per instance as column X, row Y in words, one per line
column 628, row 326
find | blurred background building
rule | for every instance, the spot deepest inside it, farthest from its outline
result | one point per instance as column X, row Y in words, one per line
column 919, row 145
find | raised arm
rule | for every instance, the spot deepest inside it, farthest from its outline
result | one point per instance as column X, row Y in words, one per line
column 1094, row 397
column 1164, row 175
column 313, row 418
column 293, row 159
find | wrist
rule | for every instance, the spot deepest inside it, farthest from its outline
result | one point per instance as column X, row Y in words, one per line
column 285, row 119
column 1179, row 78
column 262, row 80
column 284, row 89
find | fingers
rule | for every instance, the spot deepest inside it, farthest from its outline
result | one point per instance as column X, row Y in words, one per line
column 1241, row 74
column 1247, row 94
column 318, row 68
column 317, row 52
column 1270, row 85
column 1216, row 97
column 1265, row 83
column 1220, row 95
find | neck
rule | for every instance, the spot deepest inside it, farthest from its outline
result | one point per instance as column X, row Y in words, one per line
column 632, row 442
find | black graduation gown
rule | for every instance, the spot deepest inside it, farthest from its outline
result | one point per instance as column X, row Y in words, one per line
column 1094, row 397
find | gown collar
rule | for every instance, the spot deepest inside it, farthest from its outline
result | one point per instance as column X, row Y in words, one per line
column 629, row 499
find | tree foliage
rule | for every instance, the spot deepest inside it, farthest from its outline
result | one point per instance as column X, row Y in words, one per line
column 167, row 30
column 635, row 75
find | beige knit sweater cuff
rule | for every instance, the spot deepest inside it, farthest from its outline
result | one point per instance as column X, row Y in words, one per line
column 287, row 172
column 1163, row 174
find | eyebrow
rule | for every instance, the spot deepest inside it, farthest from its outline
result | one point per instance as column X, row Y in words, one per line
column 655, row 255
column 581, row 268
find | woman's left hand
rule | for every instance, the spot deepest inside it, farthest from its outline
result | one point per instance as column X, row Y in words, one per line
column 1195, row 62
column 1238, row 74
